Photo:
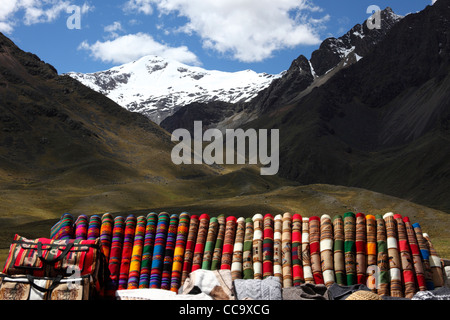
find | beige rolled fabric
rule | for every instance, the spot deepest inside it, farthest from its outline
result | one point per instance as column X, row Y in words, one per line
column 326, row 249
column 258, row 228
column 306, row 256
column 277, row 248
column 394, row 256
column 314, row 248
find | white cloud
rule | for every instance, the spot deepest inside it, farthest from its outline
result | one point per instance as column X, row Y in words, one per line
column 131, row 47
column 34, row 11
column 249, row 30
column 143, row 6
column 113, row 28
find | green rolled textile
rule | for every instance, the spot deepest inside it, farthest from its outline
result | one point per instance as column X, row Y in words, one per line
column 247, row 258
column 350, row 247
column 338, row 250
column 383, row 278
column 236, row 264
column 210, row 243
column 218, row 247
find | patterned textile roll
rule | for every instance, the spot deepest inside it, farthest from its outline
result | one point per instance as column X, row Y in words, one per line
column 338, row 250
column 314, row 247
column 200, row 242
column 417, row 258
column 247, row 258
column 236, row 264
column 435, row 263
column 297, row 269
column 178, row 255
column 360, row 243
column 306, row 255
column 277, row 248
column 371, row 245
column 210, row 243
column 159, row 250
column 81, row 226
column 405, row 258
column 425, row 253
column 371, row 249
column 106, row 234
column 349, row 247
column 326, row 249
column 217, row 255
column 268, row 231
column 147, row 252
column 63, row 229
column 171, row 240
column 286, row 250
column 382, row 258
column 228, row 244
column 394, row 257
column 127, row 250
column 95, row 223
column 136, row 256
column 115, row 256
column 257, row 245
column 190, row 246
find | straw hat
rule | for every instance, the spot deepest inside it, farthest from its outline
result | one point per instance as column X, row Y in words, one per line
column 363, row 295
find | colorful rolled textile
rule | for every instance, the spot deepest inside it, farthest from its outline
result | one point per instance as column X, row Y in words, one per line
column 178, row 255
column 435, row 263
column 297, row 269
column 127, row 250
column 236, row 263
column 147, row 251
column 350, row 247
column 371, row 250
column 338, row 250
column 417, row 258
column 286, row 250
column 277, row 248
column 115, row 256
column 190, row 246
column 81, row 226
column 326, row 249
column 360, row 244
column 383, row 278
column 95, row 223
column 63, row 229
column 166, row 276
column 314, row 247
column 394, row 257
column 218, row 247
column 257, row 245
column 268, row 230
column 247, row 257
column 228, row 244
column 136, row 256
column 306, row 255
column 200, row 242
column 425, row 253
column 405, row 258
column 106, row 234
column 210, row 243
column 159, row 250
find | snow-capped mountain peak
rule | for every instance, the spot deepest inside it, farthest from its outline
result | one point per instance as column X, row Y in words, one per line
column 157, row 87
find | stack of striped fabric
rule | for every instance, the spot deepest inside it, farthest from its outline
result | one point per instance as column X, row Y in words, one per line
column 388, row 253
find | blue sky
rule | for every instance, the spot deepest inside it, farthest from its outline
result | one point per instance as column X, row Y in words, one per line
column 226, row 35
